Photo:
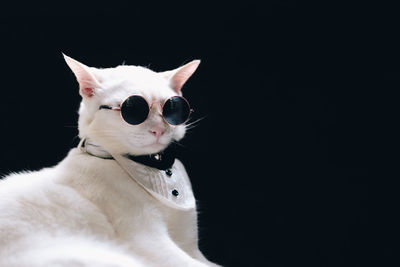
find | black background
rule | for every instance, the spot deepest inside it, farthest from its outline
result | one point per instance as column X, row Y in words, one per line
column 292, row 164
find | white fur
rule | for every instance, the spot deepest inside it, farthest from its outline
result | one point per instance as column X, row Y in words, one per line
column 87, row 211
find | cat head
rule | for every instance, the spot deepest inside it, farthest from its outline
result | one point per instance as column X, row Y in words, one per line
column 110, row 86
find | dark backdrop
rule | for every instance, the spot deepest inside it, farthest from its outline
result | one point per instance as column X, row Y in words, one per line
column 291, row 164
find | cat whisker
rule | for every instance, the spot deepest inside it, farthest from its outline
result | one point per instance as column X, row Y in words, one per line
column 194, row 123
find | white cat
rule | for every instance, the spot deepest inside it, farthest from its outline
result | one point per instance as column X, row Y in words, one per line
column 103, row 206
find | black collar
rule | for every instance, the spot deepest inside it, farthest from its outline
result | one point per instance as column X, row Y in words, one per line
column 162, row 160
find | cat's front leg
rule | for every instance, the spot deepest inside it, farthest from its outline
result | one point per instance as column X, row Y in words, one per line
column 183, row 231
column 159, row 250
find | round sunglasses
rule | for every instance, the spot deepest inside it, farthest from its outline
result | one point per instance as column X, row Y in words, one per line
column 135, row 109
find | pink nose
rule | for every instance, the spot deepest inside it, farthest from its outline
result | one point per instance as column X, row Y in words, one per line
column 157, row 131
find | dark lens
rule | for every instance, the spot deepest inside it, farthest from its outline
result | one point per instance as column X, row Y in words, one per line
column 176, row 110
column 134, row 110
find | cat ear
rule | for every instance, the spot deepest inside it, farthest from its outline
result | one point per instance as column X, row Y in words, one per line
column 179, row 76
column 87, row 81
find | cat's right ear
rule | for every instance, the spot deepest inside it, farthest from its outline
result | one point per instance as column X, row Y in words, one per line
column 87, row 81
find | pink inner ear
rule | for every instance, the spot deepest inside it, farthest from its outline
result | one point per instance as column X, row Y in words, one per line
column 183, row 74
column 87, row 81
column 89, row 92
column 178, row 81
column 87, row 85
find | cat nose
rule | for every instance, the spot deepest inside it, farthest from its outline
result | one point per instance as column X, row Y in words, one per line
column 157, row 131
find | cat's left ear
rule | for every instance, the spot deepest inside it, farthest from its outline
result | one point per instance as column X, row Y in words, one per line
column 179, row 76
column 87, row 81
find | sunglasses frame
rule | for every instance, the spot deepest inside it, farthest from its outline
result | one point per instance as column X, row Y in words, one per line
column 150, row 107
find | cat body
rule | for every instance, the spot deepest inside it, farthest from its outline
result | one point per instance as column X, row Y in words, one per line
column 88, row 210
